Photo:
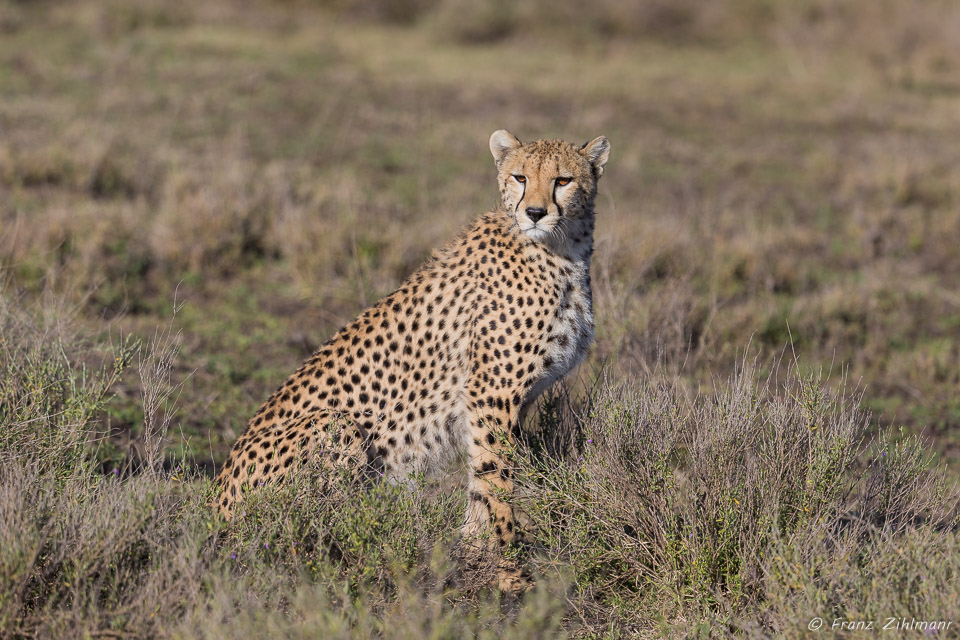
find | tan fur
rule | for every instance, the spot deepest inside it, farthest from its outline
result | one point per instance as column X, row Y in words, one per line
column 447, row 362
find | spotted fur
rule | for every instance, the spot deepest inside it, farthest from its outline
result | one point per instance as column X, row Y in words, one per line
column 447, row 363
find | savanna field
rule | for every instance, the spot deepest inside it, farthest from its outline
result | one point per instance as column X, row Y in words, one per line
column 195, row 195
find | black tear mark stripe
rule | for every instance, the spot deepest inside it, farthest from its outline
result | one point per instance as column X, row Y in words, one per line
column 559, row 208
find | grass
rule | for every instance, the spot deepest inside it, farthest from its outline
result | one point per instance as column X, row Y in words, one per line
column 650, row 512
column 196, row 196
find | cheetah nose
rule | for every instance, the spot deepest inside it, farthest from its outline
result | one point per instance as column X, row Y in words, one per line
column 536, row 213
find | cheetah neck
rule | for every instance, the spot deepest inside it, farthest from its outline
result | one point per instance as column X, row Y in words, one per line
column 577, row 243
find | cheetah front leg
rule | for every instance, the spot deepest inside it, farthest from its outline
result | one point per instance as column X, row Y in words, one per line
column 490, row 517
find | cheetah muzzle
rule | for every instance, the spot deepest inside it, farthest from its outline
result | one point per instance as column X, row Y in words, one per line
column 448, row 362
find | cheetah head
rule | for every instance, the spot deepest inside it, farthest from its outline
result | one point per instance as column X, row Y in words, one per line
column 548, row 185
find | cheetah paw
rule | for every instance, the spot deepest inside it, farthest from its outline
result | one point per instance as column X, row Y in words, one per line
column 514, row 581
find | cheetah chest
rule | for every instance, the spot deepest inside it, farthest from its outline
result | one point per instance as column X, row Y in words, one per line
column 571, row 331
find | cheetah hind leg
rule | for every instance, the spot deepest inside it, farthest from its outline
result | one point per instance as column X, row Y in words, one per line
column 330, row 443
column 338, row 445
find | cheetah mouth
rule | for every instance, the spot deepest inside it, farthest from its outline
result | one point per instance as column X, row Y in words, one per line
column 537, row 231
column 548, row 229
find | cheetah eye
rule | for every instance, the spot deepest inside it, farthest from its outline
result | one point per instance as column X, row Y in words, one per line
column 520, row 179
column 562, row 182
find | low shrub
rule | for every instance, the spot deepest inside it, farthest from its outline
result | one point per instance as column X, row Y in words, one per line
column 648, row 512
column 686, row 508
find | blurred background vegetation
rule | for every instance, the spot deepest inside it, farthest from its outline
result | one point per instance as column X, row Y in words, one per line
column 247, row 176
column 784, row 177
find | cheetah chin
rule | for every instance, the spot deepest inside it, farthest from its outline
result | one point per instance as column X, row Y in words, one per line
column 447, row 363
column 537, row 232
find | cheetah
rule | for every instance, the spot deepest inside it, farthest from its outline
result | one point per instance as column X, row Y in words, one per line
column 448, row 363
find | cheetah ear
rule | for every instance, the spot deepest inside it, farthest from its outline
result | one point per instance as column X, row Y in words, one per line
column 501, row 143
column 597, row 151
